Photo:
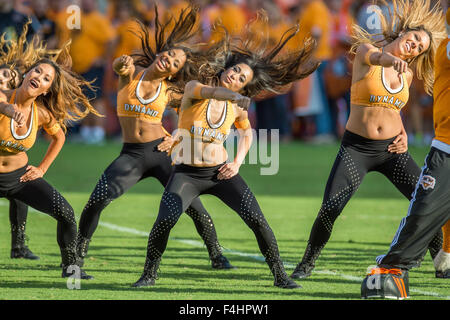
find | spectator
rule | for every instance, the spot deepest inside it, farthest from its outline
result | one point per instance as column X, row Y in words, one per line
column 13, row 16
column 91, row 45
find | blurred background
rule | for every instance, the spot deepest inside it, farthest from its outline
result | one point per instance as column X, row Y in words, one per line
column 314, row 110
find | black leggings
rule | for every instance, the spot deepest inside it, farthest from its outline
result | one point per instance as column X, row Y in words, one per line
column 356, row 157
column 40, row 195
column 187, row 183
column 138, row 161
column 18, row 213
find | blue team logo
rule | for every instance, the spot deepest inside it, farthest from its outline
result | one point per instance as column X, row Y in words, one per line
column 427, row 182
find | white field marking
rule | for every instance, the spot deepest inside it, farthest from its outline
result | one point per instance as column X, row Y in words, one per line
column 257, row 257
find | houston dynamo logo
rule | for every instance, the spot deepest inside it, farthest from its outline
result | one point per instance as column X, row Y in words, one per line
column 427, row 182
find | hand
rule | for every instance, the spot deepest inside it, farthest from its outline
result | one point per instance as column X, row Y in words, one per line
column 399, row 65
column 11, row 111
column 400, row 144
column 228, row 171
column 166, row 144
column 242, row 101
column 125, row 64
column 32, row 174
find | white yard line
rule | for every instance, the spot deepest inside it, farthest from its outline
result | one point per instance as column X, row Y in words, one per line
column 257, row 257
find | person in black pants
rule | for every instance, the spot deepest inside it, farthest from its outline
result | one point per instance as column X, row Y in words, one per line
column 49, row 96
column 208, row 110
column 144, row 92
column 375, row 138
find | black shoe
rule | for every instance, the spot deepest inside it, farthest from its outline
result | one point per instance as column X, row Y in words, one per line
column 81, row 275
column 302, row 271
column 144, row 281
column 281, row 278
column 443, row 274
column 23, row 252
column 221, row 262
column 149, row 275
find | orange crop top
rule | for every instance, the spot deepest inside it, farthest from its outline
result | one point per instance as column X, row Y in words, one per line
column 130, row 104
column 373, row 91
column 10, row 141
column 196, row 120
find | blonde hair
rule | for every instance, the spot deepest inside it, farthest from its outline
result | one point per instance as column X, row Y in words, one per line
column 408, row 15
column 18, row 55
column 65, row 98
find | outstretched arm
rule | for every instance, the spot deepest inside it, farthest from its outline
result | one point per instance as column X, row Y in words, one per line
column 196, row 90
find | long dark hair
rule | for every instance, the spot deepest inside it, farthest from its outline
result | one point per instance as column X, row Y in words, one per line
column 271, row 72
column 183, row 29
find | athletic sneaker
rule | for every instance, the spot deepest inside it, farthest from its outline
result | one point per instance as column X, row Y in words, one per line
column 302, row 270
column 385, row 283
column 221, row 262
column 81, row 274
column 23, row 252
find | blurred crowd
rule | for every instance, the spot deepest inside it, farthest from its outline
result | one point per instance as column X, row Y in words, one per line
column 314, row 109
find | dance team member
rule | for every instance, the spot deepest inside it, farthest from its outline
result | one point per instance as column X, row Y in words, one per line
column 49, row 96
column 209, row 108
column 429, row 208
column 13, row 56
column 375, row 138
column 146, row 86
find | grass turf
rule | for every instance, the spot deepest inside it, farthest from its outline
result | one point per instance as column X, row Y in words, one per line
column 290, row 201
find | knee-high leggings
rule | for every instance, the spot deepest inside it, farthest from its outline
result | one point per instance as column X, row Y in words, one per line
column 187, row 183
column 356, row 157
column 40, row 195
column 138, row 161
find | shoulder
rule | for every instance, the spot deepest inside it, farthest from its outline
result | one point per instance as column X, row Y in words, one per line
column 409, row 76
column 45, row 116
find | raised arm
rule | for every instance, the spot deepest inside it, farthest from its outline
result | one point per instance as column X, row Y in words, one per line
column 10, row 110
column 196, row 90
column 124, row 67
column 368, row 55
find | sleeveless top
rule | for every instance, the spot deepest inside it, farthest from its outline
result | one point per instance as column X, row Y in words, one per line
column 373, row 91
column 10, row 141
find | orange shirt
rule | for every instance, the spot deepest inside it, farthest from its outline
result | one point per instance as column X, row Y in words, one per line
column 10, row 141
column 441, row 92
column 131, row 105
column 233, row 18
column 128, row 41
column 316, row 15
column 373, row 91
column 89, row 43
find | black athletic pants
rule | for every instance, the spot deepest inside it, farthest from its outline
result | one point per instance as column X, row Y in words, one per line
column 187, row 183
column 138, row 161
column 356, row 157
column 429, row 210
column 40, row 195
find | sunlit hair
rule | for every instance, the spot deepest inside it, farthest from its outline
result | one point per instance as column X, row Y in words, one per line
column 169, row 36
column 18, row 55
column 409, row 15
column 273, row 67
column 65, row 98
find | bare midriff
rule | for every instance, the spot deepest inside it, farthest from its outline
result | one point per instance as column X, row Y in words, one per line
column 140, row 131
column 376, row 123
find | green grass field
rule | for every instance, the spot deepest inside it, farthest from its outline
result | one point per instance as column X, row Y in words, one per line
column 290, row 201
